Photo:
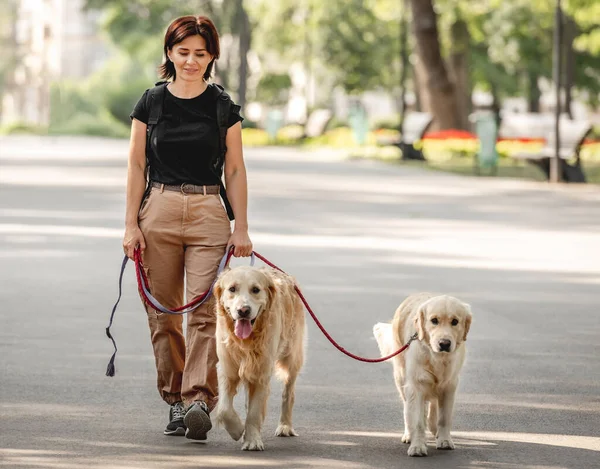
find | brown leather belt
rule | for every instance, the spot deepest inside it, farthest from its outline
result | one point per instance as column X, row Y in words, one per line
column 187, row 188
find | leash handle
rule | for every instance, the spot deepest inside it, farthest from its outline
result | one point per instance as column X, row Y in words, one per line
column 110, row 369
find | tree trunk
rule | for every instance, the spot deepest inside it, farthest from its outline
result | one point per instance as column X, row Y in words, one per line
column 459, row 67
column 495, row 102
column 569, row 54
column 440, row 89
column 403, row 62
column 533, row 94
column 423, row 103
column 245, row 36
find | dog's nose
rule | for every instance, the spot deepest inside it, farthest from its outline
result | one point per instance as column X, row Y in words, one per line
column 244, row 312
column 445, row 345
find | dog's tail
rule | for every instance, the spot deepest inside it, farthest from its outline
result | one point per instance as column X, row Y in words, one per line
column 383, row 334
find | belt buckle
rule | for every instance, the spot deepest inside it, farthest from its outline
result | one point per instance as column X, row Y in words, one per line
column 183, row 188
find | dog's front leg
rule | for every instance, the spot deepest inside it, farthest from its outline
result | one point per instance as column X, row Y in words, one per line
column 446, row 403
column 257, row 408
column 285, row 427
column 226, row 414
column 414, row 417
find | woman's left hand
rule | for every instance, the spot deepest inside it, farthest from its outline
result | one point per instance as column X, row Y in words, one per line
column 241, row 241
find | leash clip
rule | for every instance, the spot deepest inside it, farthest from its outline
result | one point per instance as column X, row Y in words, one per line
column 415, row 336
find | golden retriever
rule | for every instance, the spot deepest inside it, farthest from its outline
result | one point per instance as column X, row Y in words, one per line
column 427, row 372
column 260, row 329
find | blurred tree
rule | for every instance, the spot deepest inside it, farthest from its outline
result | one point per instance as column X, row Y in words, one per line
column 9, row 53
column 583, row 52
column 286, row 35
column 358, row 46
column 459, row 65
column 273, row 89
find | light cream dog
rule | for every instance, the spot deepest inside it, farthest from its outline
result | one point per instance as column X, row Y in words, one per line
column 260, row 329
column 427, row 372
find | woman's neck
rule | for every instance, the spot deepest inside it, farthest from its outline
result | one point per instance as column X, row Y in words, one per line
column 186, row 89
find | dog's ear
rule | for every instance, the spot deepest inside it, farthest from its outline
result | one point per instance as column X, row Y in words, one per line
column 218, row 291
column 271, row 290
column 468, row 318
column 420, row 321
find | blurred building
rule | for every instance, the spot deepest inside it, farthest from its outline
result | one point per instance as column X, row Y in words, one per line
column 54, row 40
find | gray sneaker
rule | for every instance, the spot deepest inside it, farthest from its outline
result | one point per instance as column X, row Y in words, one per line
column 197, row 421
column 176, row 427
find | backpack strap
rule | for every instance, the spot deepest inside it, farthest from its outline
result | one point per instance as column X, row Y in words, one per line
column 224, row 104
column 223, row 111
column 156, row 97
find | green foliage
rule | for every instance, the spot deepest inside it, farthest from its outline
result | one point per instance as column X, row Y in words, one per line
column 18, row 127
column 119, row 101
column 101, row 125
column 357, row 44
column 273, row 88
column 67, row 99
column 336, row 123
column 100, row 105
column 390, row 123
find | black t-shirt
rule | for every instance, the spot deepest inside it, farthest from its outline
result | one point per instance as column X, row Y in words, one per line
column 187, row 137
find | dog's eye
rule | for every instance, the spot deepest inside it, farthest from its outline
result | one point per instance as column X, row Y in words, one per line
column 434, row 321
column 454, row 322
column 255, row 290
column 232, row 289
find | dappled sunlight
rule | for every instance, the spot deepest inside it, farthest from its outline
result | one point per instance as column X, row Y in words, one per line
column 62, row 214
column 471, row 249
column 61, row 230
column 566, row 441
column 533, row 401
column 52, row 176
column 21, row 148
column 37, row 409
column 71, row 460
column 508, row 465
column 37, row 253
column 488, row 438
column 467, row 248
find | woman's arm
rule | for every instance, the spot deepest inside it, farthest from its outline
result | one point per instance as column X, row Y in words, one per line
column 237, row 191
column 136, row 184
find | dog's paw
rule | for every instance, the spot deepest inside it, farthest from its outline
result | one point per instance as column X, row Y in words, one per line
column 405, row 438
column 285, row 430
column 232, row 424
column 445, row 443
column 255, row 444
column 417, row 450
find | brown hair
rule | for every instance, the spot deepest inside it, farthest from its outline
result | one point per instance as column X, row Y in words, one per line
column 184, row 27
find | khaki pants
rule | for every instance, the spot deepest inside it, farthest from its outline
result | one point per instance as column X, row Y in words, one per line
column 186, row 236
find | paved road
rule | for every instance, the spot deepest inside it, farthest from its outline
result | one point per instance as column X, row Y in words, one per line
column 359, row 237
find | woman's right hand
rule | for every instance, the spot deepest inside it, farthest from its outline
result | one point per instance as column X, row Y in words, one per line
column 132, row 238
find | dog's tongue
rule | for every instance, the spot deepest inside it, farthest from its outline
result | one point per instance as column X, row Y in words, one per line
column 243, row 328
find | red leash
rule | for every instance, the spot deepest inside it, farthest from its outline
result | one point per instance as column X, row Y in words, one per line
column 142, row 281
column 326, row 334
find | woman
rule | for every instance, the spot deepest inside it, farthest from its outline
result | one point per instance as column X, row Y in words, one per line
column 182, row 228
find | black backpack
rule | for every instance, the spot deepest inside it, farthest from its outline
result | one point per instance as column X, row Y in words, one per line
column 156, row 96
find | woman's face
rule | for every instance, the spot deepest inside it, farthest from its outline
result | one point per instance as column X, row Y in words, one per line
column 190, row 58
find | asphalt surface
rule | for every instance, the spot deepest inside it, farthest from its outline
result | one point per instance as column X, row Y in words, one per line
column 359, row 236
